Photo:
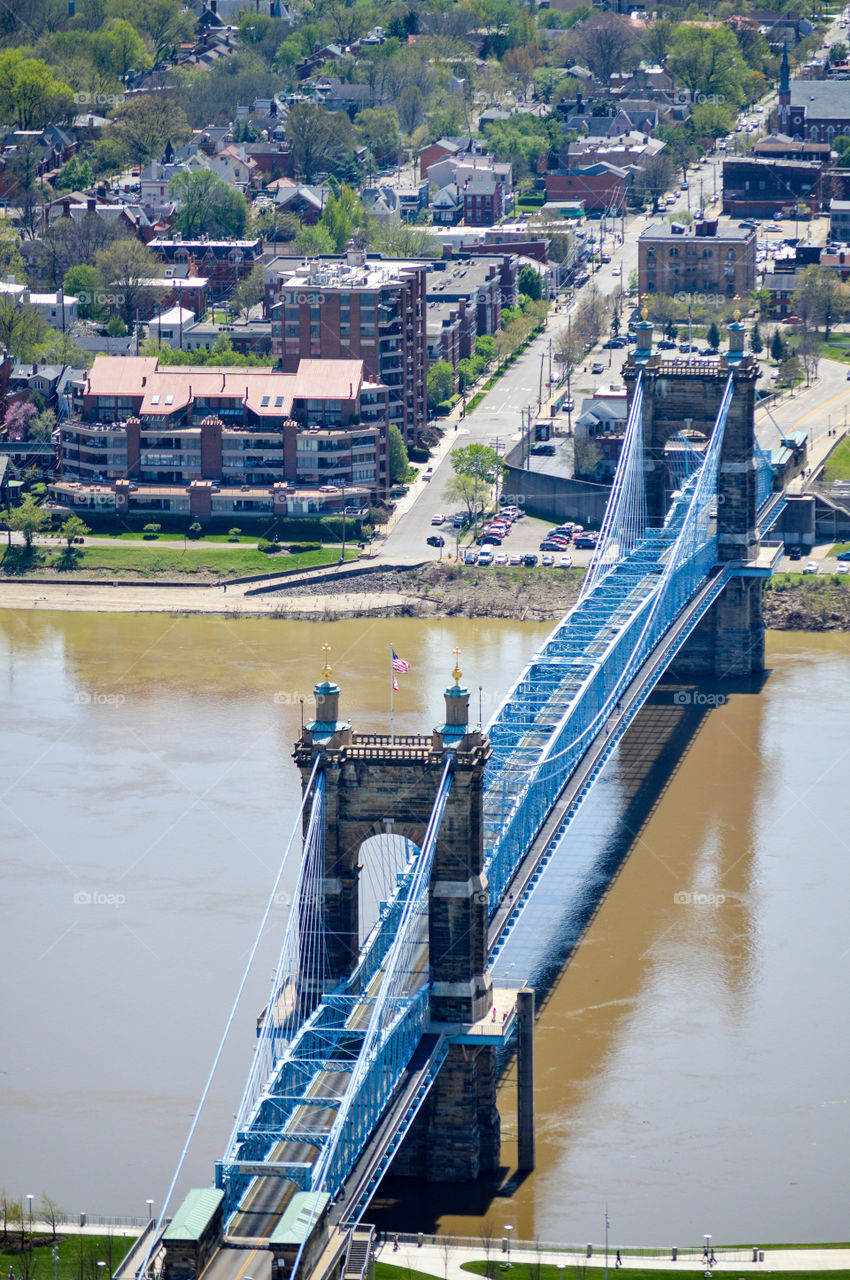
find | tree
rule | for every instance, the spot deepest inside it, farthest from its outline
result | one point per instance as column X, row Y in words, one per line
column 22, row 327
column 128, row 267
column 477, row 462
column 11, row 261
column 530, row 283
column 29, row 94
column 712, row 120
column 343, row 215
column 842, row 146
column 398, row 460
column 42, row 426
column 312, row 242
column 465, row 489
column 22, row 170
column 250, row 291
column 115, row 327
column 777, row 347
column 142, row 125
column 75, row 175
column 319, row 138
column 83, row 283
column 378, row 129
column 756, row 344
column 18, row 417
column 586, row 459
column 713, row 335
column 28, row 519
column 441, row 382
column 404, row 240
column 166, row 23
column 607, row 45
column 68, row 243
column 708, row 62
column 207, row 205
column 819, row 298
column 120, row 49
column 790, row 371
column 71, row 529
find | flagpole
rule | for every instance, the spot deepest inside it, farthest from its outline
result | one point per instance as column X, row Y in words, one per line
column 392, row 691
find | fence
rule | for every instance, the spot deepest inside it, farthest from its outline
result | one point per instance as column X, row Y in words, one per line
column 496, row 1247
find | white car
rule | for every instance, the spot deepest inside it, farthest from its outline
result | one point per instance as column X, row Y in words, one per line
column 501, row 557
column 428, row 475
column 565, row 562
column 516, row 558
column 811, row 567
column 437, row 518
column 616, row 271
column 548, row 560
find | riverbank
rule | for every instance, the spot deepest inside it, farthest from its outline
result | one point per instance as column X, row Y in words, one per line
column 792, row 602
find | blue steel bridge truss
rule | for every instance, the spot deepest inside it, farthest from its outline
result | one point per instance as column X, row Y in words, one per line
column 326, row 1063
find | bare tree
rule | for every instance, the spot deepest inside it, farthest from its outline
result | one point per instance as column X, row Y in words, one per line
column 49, row 1209
column 608, row 45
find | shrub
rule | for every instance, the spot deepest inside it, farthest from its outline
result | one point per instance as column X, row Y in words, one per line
column 268, row 547
column 195, row 529
column 295, row 547
column 415, row 454
column 151, row 531
column 233, row 535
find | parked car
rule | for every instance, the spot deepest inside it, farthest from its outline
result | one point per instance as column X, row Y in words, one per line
column 843, row 555
column 666, row 344
column 585, row 542
column 811, row 567
column 565, row 562
column 486, row 557
column 429, row 474
column 688, row 346
column 529, row 560
column 471, row 557
column 489, row 540
column 516, row 558
column 795, row 553
column 597, row 367
column 543, row 450
column 548, row 561
column 436, row 540
column 438, row 518
column 552, row 544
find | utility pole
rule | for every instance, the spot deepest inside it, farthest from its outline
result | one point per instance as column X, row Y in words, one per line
column 540, row 384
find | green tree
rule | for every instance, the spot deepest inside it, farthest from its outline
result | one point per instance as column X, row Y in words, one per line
column 842, row 145
column 708, row 62
column 530, row 283
column 343, row 215
column 166, row 23
column 712, row 120
column 22, row 328
column 28, row 519
column 403, row 240
column 819, row 298
column 75, row 175
column 777, row 347
column 128, row 268
column 478, row 462
column 11, row 261
column 30, row 96
column 756, row 343
column 398, row 460
column 250, row 291
column 83, row 283
column 441, row 382
column 120, row 49
column 207, row 205
column 320, row 139
column 115, row 327
column 713, row 335
column 313, row 241
column 141, row 126
column 42, row 426
column 73, row 528
column 378, row 129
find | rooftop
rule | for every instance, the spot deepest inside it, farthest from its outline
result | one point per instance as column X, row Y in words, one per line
column 664, row 231
column 193, row 1217
column 823, row 99
column 357, row 272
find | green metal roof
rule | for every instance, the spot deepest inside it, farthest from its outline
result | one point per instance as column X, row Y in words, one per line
column 193, row 1217
column 303, row 1211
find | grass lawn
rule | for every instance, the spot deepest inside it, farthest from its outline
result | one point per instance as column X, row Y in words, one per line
column 136, row 535
column 147, row 560
column 838, row 463
column 529, row 1270
column 77, row 1259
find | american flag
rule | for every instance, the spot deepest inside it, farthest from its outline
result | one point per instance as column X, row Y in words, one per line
column 399, row 664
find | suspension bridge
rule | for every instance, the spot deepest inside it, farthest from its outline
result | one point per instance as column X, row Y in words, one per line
column 378, row 1043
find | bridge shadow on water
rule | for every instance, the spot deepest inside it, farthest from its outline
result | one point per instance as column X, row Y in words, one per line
column 570, row 893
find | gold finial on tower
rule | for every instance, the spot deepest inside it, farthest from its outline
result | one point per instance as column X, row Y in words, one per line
column 737, row 313
column 457, row 673
column 644, row 309
column 326, row 669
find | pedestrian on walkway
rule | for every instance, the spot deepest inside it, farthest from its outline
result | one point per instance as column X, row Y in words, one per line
column 619, row 1259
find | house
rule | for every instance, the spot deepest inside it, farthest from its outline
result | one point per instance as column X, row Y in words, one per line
column 460, row 169
column 447, row 206
column 224, row 263
column 483, row 200
column 77, row 206
column 170, row 326
column 704, row 258
column 757, row 188
column 303, row 201
column 839, row 221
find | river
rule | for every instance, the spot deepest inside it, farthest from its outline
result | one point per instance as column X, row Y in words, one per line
column 690, row 1061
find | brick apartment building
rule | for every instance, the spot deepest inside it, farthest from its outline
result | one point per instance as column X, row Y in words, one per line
column 212, row 442
column 367, row 308
column 697, row 259
column 223, row 262
column 762, row 188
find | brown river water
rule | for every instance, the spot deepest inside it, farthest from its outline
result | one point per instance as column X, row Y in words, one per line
column 691, row 1060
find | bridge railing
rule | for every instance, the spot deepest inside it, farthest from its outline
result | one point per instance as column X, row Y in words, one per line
column 686, row 550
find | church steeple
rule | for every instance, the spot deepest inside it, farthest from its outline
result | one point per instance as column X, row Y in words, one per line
column 784, row 74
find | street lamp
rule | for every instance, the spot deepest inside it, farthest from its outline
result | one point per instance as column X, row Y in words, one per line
column 508, row 1229
column 149, row 1203
column 707, row 1247
column 30, row 1200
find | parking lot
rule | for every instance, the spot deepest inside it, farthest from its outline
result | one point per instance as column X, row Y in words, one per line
column 522, row 539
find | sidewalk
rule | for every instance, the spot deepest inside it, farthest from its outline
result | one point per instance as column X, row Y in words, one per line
column 447, row 1263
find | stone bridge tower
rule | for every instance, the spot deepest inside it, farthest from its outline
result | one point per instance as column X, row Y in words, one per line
column 686, row 395
column 377, row 783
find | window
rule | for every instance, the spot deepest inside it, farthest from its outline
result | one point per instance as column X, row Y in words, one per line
column 278, row 402
column 169, row 399
column 155, row 399
column 264, row 402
